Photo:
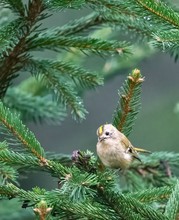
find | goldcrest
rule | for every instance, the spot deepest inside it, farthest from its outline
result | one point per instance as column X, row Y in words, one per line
column 114, row 149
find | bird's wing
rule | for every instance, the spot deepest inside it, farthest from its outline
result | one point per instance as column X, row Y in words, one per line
column 129, row 148
column 142, row 150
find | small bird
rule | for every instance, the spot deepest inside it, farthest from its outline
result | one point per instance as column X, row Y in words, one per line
column 114, row 149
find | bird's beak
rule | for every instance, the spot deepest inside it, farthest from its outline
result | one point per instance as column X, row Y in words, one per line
column 101, row 138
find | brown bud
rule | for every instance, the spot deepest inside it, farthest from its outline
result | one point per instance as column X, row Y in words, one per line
column 42, row 210
column 43, row 162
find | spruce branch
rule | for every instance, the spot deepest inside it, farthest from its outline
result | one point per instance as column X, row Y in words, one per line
column 6, row 191
column 85, row 44
column 89, row 209
column 11, row 191
column 79, row 184
column 129, row 103
column 122, row 209
column 79, row 76
column 119, row 201
column 13, row 61
column 130, row 24
column 21, row 133
column 167, row 37
column 161, row 11
column 62, row 89
column 171, row 209
column 154, row 159
column 167, row 41
column 96, row 20
column 10, row 60
column 7, row 172
column 55, row 75
column 158, row 169
column 12, row 158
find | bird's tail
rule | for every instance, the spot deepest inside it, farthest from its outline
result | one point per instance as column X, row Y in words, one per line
column 140, row 150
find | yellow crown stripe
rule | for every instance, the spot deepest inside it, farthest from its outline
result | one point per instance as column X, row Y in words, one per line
column 100, row 130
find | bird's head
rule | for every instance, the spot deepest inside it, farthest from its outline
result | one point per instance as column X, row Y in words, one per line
column 106, row 131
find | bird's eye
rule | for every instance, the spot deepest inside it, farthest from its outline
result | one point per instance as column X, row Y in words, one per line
column 107, row 133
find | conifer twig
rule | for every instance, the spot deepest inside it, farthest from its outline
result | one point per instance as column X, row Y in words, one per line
column 129, row 104
column 161, row 10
